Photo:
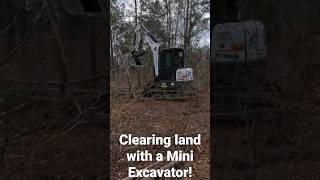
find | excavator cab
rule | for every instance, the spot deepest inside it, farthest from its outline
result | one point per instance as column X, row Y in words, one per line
column 170, row 61
column 174, row 80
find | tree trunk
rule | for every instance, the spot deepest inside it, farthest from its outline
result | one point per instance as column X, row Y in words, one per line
column 136, row 11
column 112, row 64
column 176, row 31
column 190, row 28
column 136, row 21
column 93, row 53
column 168, row 23
column 64, row 74
column 186, row 21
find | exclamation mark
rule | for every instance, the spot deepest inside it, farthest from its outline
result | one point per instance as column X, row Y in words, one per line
column 190, row 171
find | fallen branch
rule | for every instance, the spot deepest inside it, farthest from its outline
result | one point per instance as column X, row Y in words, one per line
column 18, row 47
column 17, row 108
column 22, row 166
column 90, row 78
column 11, row 24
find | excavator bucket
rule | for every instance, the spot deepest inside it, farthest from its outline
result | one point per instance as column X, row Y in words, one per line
column 136, row 62
column 138, row 57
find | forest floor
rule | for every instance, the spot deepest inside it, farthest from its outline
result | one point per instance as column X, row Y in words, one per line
column 39, row 140
column 285, row 147
column 42, row 140
column 142, row 117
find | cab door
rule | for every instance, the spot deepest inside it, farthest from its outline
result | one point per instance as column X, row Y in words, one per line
column 170, row 60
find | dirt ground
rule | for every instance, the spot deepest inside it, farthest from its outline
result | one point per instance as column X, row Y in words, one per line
column 285, row 147
column 40, row 141
column 163, row 118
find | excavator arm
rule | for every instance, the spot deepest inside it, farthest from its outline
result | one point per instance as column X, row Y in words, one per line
column 142, row 34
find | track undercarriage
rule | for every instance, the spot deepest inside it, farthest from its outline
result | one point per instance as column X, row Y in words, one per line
column 170, row 90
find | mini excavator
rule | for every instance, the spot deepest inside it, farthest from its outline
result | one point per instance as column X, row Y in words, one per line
column 171, row 78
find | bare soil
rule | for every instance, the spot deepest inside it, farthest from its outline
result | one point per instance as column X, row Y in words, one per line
column 143, row 117
column 42, row 141
column 285, row 147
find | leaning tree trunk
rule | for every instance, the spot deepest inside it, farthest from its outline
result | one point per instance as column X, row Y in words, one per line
column 136, row 21
column 64, row 75
column 186, row 21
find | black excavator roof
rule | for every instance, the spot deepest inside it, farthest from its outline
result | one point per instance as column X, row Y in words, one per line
column 170, row 60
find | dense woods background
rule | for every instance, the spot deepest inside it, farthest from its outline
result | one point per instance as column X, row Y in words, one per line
column 174, row 23
column 24, row 24
column 281, row 141
column 53, row 79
